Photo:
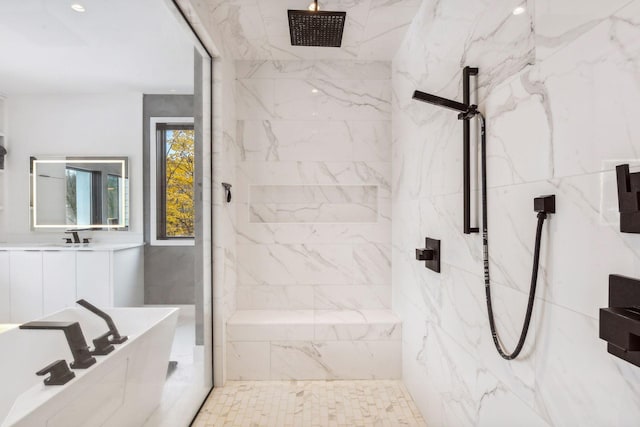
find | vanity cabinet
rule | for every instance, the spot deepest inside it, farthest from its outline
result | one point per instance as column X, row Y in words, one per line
column 25, row 276
column 58, row 280
column 38, row 282
column 94, row 278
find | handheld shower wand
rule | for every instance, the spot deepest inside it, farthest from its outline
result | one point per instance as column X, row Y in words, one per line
column 543, row 205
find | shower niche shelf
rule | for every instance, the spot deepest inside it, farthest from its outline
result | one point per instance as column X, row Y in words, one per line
column 620, row 322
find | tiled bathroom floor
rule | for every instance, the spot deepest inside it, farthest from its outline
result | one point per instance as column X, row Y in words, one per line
column 310, row 403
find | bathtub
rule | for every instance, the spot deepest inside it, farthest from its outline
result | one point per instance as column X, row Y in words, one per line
column 121, row 389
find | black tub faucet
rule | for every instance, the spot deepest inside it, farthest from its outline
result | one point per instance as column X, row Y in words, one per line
column 103, row 345
column 82, row 358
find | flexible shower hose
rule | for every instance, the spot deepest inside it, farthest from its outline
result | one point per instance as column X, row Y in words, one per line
column 485, row 253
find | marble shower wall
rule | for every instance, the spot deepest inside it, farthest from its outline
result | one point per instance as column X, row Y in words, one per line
column 314, row 194
column 559, row 85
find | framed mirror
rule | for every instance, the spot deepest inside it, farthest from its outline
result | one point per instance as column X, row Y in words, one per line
column 80, row 192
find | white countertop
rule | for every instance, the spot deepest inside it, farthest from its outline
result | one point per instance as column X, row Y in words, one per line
column 68, row 246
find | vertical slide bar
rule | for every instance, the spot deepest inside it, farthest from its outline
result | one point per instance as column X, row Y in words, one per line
column 467, row 72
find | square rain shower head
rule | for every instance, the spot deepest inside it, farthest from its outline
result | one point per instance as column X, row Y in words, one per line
column 316, row 28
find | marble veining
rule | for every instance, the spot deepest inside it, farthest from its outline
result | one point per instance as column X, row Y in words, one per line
column 256, row 30
column 558, row 85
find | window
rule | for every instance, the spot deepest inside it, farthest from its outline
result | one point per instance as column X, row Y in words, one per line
column 173, row 204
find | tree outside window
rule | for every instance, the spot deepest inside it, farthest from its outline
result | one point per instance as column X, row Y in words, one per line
column 176, row 150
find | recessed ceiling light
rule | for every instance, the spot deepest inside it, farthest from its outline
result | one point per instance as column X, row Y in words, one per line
column 314, row 90
column 519, row 10
column 78, row 7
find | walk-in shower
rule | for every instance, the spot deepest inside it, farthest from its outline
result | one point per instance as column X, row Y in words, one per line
column 543, row 205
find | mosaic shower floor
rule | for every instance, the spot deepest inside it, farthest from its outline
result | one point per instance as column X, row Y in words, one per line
column 310, row 404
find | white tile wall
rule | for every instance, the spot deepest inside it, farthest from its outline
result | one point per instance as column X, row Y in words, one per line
column 314, row 344
column 559, row 86
column 313, row 193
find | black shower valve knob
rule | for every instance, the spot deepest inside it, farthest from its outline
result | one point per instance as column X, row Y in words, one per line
column 430, row 254
column 424, row 254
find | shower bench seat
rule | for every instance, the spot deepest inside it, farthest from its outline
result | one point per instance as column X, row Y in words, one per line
column 313, row 344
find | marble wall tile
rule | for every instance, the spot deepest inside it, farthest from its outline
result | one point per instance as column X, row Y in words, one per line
column 560, row 108
column 271, row 325
column 291, row 140
column 327, row 99
column 558, row 23
column 295, row 264
column 385, row 29
column 313, row 183
column 351, row 325
column 591, row 88
column 334, row 360
column 379, row 232
column 351, row 297
column 327, row 69
column 275, row 297
column 313, row 204
column 574, row 386
column 255, row 99
column 311, row 172
column 248, row 360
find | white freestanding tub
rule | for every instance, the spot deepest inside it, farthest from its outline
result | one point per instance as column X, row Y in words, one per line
column 122, row 389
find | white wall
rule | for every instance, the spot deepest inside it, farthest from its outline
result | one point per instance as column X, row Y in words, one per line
column 74, row 125
column 562, row 111
column 313, row 187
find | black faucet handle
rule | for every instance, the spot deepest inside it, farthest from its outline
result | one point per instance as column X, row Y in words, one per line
column 86, row 240
column 102, row 345
column 424, row 254
column 67, row 240
column 60, row 373
column 113, row 331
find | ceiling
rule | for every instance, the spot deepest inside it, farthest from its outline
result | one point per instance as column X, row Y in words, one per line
column 115, row 45
column 259, row 29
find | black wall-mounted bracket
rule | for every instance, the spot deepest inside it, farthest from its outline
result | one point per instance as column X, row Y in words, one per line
column 227, row 190
column 430, row 254
column 628, row 199
column 467, row 72
column 620, row 322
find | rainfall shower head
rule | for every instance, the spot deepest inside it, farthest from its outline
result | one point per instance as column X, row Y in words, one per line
column 316, row 27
